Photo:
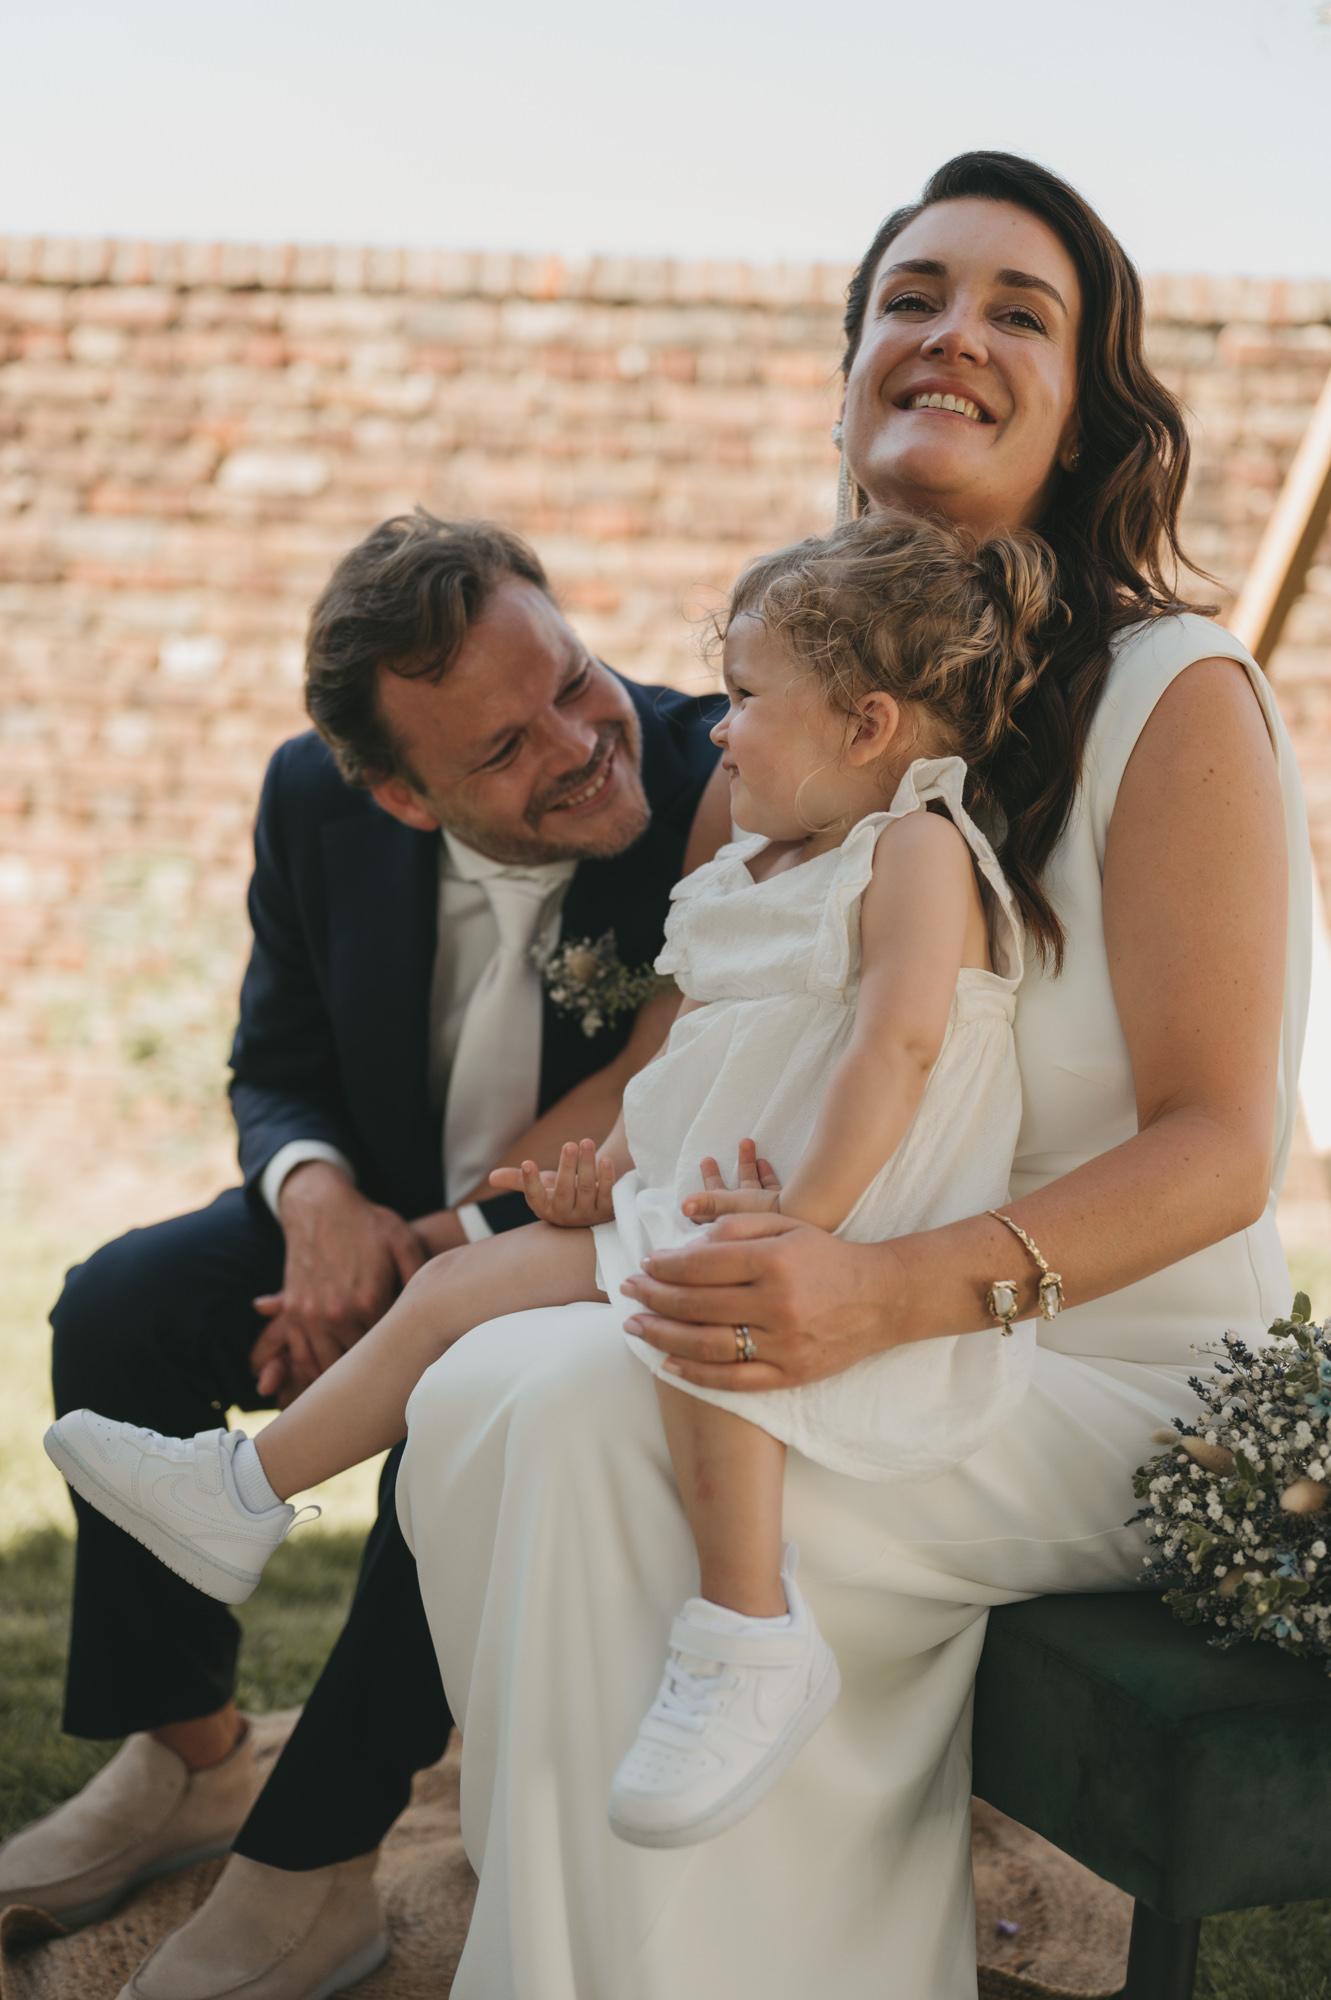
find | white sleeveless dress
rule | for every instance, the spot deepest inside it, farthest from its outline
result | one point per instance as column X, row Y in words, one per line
column 778, row 964
column 553, row 1553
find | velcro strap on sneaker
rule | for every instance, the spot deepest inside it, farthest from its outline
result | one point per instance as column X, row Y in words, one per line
column 208, row 1460
column 739, row 1649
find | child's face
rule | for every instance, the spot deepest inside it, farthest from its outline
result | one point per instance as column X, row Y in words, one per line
column 780, row 741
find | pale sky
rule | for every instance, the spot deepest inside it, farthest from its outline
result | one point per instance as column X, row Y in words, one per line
column 763, row 129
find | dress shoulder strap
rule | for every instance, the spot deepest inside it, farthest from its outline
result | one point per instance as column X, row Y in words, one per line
column 944, row 779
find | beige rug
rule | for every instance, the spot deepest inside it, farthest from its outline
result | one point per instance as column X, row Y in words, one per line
column 1071, row 1942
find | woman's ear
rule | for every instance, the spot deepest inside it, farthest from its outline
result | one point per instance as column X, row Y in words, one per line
column 873, row 728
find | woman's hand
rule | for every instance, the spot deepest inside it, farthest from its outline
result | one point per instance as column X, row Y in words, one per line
column 758, row 1191
column 577, row 1194
column 813, row 1304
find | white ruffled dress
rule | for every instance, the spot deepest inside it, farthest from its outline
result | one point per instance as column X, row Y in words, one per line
column 778, row 964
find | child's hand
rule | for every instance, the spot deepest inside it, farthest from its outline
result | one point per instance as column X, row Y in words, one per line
column 758, row 1191
column 577, row 1194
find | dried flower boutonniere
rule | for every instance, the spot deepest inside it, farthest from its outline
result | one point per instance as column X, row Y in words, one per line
column 589, row 980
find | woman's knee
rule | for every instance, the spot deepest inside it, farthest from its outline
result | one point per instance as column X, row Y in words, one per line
column 170, row 1305
column 561, row 1377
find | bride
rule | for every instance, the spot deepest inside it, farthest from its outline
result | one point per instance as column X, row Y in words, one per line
column 1158, row 1069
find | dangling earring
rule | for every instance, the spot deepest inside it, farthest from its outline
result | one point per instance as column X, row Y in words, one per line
column 847, row 490
column 1074, row 459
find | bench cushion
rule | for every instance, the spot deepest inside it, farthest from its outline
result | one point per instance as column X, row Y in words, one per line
column 1196, row 1780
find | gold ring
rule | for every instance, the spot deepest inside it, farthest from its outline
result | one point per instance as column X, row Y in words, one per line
column 744, row 1347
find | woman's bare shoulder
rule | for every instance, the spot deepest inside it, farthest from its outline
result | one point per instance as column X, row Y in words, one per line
column 1209, row 705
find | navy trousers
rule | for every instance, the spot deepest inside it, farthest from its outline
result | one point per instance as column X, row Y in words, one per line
column 156, row 1328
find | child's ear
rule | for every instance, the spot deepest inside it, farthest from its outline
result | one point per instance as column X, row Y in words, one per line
column 873, row 727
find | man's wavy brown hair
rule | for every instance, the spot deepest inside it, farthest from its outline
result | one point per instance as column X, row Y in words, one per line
column 1113, row 521
column 402, row 600
column 955, row 629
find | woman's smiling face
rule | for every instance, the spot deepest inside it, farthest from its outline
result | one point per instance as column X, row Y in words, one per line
column 961, row 399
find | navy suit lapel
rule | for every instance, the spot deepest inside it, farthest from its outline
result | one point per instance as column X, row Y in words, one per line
column 382, row 884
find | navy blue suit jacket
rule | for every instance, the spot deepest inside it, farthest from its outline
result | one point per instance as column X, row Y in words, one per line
column 333, row 1041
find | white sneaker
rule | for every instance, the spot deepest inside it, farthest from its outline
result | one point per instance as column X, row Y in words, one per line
column 175, row 1495
column 734, row 1706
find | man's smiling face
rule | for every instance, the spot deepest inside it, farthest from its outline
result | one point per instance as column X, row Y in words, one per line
column 527, row 749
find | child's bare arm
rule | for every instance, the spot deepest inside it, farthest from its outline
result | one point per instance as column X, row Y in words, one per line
column 913, row 927
column 912, row 935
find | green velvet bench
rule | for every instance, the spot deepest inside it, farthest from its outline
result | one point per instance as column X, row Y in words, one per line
column 1195, row 1780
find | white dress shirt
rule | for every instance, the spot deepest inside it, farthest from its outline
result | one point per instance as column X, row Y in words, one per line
column 467, row 940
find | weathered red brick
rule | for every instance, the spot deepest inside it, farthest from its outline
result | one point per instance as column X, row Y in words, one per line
column 650, row 424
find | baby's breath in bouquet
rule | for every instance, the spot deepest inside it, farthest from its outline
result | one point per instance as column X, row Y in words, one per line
column 1239, row 1531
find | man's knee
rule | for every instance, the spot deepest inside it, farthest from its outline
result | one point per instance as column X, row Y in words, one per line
column 106, row 1301
column 165, row 1301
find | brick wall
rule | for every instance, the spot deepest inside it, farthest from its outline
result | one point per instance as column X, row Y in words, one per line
column 189, row 436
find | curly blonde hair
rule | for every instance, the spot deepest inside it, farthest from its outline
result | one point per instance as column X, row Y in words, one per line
column 956, row 627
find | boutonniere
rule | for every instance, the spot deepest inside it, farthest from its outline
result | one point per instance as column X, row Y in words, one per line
column 591, row 981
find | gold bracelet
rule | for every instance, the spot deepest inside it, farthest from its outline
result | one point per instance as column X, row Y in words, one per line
column 1001, row 1301
column 1051, row 1282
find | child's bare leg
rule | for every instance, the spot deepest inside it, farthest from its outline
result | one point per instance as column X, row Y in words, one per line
column 359, row 1406
column 748, row 1676
column 730, row 1479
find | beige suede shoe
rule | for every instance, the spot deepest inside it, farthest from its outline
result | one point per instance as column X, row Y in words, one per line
column 145, row 1814
column 271, row 1934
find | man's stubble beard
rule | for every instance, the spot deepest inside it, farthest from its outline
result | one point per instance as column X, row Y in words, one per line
column 518, row 849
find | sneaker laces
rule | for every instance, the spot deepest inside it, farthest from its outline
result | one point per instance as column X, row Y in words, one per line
column 686, row 1698
column 151, row 1440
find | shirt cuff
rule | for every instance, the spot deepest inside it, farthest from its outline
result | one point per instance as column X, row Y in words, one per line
column 506, row 1211
column 287, row 1158
column 474, row 1225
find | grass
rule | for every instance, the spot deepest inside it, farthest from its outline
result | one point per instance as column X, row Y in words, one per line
column 1310, row 1272
column 32, row 1493
column 1277, row 1954
column 290, row 1625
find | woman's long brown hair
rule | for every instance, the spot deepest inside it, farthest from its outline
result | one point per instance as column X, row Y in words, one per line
column 1113, row 521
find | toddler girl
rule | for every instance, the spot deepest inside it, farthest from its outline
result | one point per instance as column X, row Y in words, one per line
column 849, row 969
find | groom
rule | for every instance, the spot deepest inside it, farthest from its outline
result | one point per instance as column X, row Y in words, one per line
column 395, row 1042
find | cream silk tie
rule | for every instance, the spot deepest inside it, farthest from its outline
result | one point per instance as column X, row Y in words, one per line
column 494, row 1083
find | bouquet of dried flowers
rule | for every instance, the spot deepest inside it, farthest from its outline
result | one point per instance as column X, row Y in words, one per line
column 589, row 980
column 1236, row 1503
